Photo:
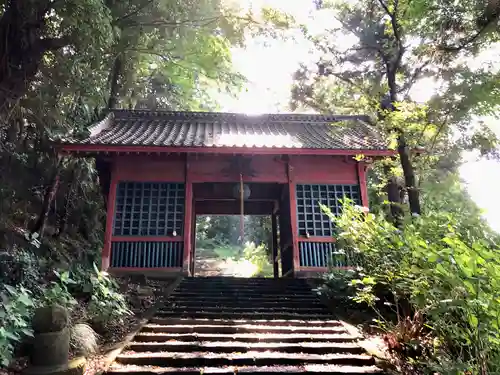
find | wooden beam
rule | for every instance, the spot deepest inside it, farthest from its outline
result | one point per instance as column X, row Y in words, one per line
column 293, row 215
column 188, row 222
column 274, row 228
column 361, row 170
column 87, row 148
column 318, row 239
column 225, row 191
column 233, row 207
column 110, row 213
column 146, row 238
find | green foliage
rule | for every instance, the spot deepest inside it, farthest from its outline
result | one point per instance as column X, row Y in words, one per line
column 106, row 304
column 257, row 256
column 226, row 251
column 440, row 282
column 16, row 311
column 57, row 292
column 220, row 230
column 21, row 267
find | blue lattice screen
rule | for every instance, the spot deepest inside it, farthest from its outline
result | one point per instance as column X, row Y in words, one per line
column 149, row 209
column 310, row 219
column 322, row 254
column 146, row 254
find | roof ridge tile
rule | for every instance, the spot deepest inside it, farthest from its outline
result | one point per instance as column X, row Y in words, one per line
column 212, row 129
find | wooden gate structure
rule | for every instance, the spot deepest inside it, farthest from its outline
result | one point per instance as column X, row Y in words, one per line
column 159, row 169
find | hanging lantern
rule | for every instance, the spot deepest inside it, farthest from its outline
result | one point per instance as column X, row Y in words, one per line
column 237, row 191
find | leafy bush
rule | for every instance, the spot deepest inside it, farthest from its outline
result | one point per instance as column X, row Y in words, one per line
column 106, row 303
column 257, row 255
column 57, row 292
column 20, row 266
column 443, row 285
column 15, row 316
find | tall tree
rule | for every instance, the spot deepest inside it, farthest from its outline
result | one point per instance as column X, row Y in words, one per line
column 391, row 45
column 63, row 61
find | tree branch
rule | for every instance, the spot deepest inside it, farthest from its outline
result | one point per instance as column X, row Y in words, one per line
column 416, row 74
column 159, row 23
column 386, row 9
column 134, row 12
column 472, row 39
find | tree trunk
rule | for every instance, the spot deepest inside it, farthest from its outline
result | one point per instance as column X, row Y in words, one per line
column 409, row 174
column 393, row 190
column 22, row 27
column 63, row 218
column 404, row 153
column 48, row 198
column 114, row 84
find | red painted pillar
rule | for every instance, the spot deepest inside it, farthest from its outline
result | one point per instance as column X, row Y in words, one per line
column 188, row 221
column 110, row 213
column 361, row 169
column 293, row 216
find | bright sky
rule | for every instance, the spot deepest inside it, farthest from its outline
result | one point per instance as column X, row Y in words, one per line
column 269, row 64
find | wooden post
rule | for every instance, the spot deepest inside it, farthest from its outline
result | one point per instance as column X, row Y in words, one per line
column 192, row 263
column 188, row 222
column 361, row 169
column 274, row 227
column 293, row 216
column 110, row 218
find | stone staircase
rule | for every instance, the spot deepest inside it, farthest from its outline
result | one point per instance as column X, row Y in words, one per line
column 230, row 325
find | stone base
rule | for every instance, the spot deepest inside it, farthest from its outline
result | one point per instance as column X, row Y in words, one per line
column 74, row 367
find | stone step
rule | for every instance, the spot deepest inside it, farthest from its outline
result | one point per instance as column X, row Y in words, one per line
column 241, row 295
column 244, row 291
column 260, row 304
column 243, row 347
column 248, row 370
column 242, row 315
column 236, row 325
column 243, row 328
column 275, row 288
column 242, row 280
column 245, row 337
column 181, row 359
column 229, row 322
column 248, row 309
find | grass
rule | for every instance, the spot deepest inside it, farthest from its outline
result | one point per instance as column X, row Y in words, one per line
column 228, row 252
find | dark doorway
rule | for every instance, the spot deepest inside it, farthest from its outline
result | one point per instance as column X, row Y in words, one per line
column 220, row 249
column 236, row 229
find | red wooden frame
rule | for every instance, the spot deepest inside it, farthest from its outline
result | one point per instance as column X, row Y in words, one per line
column 173, row 269
column 110, row 213
column 220, row 150
column 292, row 177
column 323, row 269
column 361, row 170
column 188, row 222
column 146, row 239
column 318, row 239
column 293, row 215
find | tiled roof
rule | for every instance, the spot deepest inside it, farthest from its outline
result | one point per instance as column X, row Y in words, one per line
column 208, row 129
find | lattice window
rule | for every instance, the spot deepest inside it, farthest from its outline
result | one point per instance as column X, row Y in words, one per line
column 149, row 209
column 310, row 219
